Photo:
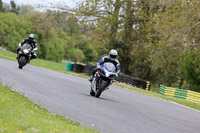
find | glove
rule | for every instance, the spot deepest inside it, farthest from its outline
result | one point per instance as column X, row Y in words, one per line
column 98, row 66
column 116, row 74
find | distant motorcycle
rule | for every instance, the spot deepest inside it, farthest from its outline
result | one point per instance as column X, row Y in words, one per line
column 24, row 55
column 102, row 79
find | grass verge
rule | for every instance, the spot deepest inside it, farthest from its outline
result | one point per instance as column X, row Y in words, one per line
column 19, row 115
column 60, row 67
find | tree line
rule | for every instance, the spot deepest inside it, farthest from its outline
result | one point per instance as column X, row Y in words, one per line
column 157, row 40
column 58, row 34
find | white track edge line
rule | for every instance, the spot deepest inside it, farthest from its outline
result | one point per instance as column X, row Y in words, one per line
column 185, row 106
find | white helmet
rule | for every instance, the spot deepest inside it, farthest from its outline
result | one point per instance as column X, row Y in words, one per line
column 113, row 54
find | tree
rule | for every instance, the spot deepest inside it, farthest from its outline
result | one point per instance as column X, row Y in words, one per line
column 26, row 10
column 1, row 6
column 54, row 49
column 85, row 45
column 173, row 24
column 13, row 30
column 72, row 26
column 190, row 69
column 105, row 16
column 14, row 7
column 128, row 37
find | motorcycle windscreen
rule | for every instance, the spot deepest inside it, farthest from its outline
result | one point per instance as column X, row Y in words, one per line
column 26, row 46
column 110, row 67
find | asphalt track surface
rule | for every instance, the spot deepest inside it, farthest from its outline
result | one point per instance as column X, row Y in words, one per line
column 118, row 110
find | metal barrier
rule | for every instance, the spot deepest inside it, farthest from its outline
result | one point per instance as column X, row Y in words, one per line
column 169, row 91
column 180, row 93
column 162, row 89
column 193, row 96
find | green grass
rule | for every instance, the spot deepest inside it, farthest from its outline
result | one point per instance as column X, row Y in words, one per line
column 7, row 55
column 19, row 115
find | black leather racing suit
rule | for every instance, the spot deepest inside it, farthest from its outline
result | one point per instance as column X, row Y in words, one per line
column 33, row 43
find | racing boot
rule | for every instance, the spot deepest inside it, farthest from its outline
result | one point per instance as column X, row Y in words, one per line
column 110, row 83
column 90, row 79
column 17, row 56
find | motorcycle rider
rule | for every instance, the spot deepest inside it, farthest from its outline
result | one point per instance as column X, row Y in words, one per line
column 30, row 40
column 112, row 57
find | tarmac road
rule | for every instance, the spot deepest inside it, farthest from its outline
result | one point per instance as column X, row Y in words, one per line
column 118, row 110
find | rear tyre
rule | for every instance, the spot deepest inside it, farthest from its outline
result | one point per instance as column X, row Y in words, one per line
column 92, row 92
column 100, row 89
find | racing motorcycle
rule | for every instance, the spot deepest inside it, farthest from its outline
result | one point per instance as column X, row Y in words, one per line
column 102, row 79
column 24, row 55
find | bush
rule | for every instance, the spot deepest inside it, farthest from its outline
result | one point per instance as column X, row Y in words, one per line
column 190, row 69
column 75, row 55
column 13, row 30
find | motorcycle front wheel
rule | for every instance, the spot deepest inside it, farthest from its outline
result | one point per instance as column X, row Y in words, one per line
column 92, row 93
column 22, row 62
column 100, row 89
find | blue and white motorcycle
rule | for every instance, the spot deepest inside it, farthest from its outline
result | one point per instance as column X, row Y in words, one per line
column 102, row 79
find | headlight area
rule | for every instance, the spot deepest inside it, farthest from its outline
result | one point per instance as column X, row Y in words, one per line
column 25, row 51
column 112, row 76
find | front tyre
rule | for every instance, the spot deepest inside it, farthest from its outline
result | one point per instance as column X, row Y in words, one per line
column 22, row 62
column 100, row 89
column 20, row 67
column 92, row 93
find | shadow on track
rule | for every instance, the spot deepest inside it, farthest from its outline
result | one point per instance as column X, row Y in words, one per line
column 101, row 98
column 24, row 69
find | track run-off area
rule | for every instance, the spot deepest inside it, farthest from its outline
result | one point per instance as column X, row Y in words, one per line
column 118, row 110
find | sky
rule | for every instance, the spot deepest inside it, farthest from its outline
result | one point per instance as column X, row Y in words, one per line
column 35, row 3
